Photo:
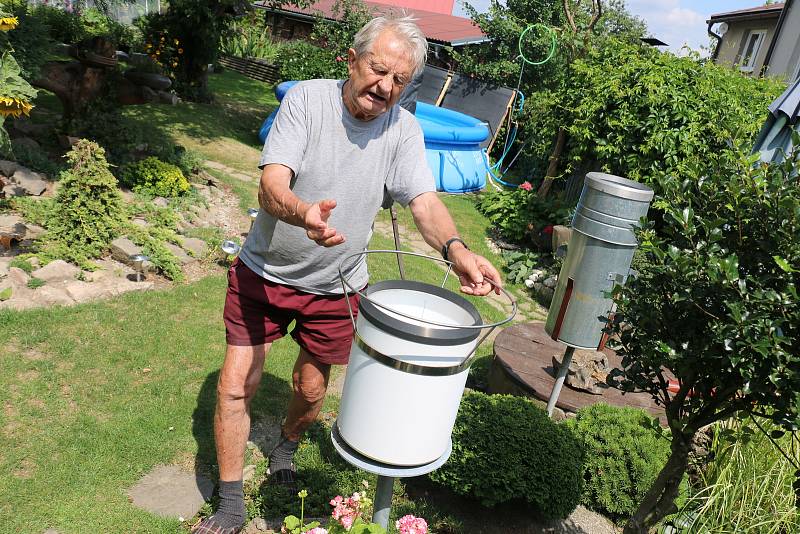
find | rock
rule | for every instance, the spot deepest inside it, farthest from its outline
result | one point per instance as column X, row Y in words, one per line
column 161, row 202
column 81, row 291
column 8, row 168
column 138, row 221
column 18, row 277
column 49, row 296
column 181, row 254
column 258, row 524
column 168, row 491
column 203, row 190
column 248, row 472
column 551, row 281
column 536, row 275
column 194, row 246
column 57, row 271
column 123, row 248
column 587, row 369
column 128, row 196
column 14, row 190
column 168, row 98
column 547, row 294
column 30, row 128
column 32, row 182
column 538, row 286
column 25, row 144
column 529, row 283
column 67, row 141
column 561, row 235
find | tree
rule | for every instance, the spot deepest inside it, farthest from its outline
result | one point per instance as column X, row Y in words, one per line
column 716, row 306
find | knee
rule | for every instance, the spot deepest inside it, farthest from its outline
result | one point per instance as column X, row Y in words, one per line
column 311, row 389
column 234, row 390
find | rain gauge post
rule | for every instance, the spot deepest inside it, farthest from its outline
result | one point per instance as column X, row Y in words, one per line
column 599, row 256
column 412, row 348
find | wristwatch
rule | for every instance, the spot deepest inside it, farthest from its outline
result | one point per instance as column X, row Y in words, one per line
column 446, row 247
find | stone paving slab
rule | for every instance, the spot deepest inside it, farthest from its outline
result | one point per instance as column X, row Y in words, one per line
column 167, row 491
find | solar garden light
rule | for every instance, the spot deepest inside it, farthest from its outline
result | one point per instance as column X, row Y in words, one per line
column 253, row 213
column 139, row 265
column 599, row 255
column 230, row 248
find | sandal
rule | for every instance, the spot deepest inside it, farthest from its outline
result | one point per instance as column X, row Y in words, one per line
column 210, row 526
column 286, row 478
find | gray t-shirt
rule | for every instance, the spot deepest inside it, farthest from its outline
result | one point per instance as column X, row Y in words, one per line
column 336, row 156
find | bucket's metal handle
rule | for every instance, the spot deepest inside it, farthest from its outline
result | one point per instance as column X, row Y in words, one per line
column 399, row 364
column 349, row 289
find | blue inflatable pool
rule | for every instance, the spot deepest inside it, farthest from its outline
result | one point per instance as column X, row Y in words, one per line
column 452, row 144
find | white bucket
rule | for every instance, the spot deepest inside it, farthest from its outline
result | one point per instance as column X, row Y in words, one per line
column 405, row 378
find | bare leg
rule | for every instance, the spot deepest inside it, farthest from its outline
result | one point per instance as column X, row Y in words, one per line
column 238, row 382
column 309, row 382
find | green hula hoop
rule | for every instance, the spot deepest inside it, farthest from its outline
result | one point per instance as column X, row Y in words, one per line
column 552, row 44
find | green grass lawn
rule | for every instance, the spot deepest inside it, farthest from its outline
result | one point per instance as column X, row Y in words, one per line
column 96, row 395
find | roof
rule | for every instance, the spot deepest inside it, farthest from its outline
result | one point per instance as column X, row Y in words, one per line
column 437, row 27
column 771, row 10
column 653, row 41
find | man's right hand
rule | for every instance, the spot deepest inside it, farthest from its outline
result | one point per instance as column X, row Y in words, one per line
column 316, row 224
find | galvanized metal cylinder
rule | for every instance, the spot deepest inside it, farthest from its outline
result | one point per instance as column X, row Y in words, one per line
column 599, row 255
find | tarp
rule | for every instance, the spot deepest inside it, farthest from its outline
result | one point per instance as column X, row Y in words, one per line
column 478, row 99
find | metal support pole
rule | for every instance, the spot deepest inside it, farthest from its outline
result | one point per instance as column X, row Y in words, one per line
column 396, row 232
column 562, row 373
column 383, row 501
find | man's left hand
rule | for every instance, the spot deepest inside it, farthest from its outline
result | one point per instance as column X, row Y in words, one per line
column 474, row 272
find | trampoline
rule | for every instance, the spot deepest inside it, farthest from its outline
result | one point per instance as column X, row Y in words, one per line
column 452, row 144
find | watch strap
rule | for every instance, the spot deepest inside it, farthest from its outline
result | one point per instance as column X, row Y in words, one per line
column 446, row 246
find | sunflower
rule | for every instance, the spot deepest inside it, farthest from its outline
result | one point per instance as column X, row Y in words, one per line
column 8, row 23
column 12, row 106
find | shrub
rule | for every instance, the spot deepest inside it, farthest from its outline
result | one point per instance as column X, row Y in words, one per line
column 505, row 448
column 520, row 213
column 301, row 60
column 155, row 177
column 88, row 210
column 22, row 263
column 625, row 450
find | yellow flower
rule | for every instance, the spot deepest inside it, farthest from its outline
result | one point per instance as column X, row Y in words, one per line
column 177, row 42
column 180, row 50
column 174, row 64
column 12, row 106
column 8, row 23
column 162, row 39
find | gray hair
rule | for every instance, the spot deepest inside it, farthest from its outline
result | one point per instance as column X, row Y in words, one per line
column 401, row 25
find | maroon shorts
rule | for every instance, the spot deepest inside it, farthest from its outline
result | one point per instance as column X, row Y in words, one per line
column 258, row 311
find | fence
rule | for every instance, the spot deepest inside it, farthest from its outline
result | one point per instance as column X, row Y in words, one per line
column 122, row 12
column 258, row 69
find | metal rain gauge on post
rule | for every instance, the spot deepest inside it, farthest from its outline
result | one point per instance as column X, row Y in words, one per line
column 412, row 348
column 599, row 255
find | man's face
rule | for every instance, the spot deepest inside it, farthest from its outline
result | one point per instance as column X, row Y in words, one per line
column 378, row 77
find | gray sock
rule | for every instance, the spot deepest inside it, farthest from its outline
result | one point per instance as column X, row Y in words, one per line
column 231, row 512
column 282, row 455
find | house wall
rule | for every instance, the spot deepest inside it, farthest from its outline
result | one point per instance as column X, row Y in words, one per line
column 732, row 45
column 786, row 56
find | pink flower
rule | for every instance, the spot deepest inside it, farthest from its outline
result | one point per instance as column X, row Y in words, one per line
column 316, row 530
column 339, row 58
column 408, row 524
column 345, row 511
column 526, row 185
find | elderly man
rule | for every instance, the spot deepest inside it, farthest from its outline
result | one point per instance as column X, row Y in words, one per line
column 335, row 149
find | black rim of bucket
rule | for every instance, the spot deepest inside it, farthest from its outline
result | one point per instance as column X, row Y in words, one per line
column 418, row 333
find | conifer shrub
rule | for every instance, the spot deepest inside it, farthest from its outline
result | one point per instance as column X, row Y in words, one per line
column 87, row 213
column 506, row 449
column 625, row 450
column 151, row 176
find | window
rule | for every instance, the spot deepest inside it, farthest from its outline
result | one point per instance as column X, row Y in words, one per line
column 752, row 45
